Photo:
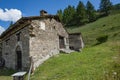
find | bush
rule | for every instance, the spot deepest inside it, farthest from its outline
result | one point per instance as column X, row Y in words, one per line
column 102, row 39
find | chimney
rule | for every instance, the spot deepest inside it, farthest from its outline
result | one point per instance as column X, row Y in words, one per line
column 43, row 13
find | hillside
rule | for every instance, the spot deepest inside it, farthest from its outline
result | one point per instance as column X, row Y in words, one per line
column 109, row 26
column 95, row 62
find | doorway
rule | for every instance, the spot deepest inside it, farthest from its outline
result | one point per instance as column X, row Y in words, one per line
column 61, row 42
column 18, row 59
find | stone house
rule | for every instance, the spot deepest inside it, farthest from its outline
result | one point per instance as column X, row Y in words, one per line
column 33, row 40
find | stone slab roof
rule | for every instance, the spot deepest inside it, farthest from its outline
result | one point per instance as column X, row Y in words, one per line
column 26, row 20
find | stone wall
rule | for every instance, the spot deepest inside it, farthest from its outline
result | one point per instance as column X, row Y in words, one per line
column 76, row 41
column 9, row 45
column 44, row 43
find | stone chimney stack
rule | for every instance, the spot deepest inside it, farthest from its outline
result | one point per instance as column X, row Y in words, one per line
column 43, row 13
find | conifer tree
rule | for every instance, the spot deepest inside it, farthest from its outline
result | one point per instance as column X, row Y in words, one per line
column 60, row 14
column 90, row 12
column 105, row 7
column 68, row 14
column 81, row 15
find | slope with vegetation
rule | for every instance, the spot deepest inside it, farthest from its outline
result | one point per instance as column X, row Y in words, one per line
column 100, row 60
column 5, row 74
column 82, row 14
column 96, row 61
column 107, row 26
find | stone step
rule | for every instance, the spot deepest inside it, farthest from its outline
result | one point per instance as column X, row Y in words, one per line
column 68, row 51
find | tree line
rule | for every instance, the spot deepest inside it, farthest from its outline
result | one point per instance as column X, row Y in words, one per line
column 83, row 14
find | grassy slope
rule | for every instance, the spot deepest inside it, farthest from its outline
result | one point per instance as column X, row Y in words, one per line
column 92, row 64
column 100, row 62
column 105, row 26
column 5, row 74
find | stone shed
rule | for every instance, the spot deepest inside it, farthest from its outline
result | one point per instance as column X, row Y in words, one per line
column 76, row 41
column 33, row 40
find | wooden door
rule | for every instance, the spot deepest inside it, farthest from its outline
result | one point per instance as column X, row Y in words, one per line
column 61, row 42
column 19, row 60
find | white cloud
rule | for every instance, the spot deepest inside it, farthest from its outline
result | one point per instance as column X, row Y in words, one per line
column 10, row 15
column 1, row 29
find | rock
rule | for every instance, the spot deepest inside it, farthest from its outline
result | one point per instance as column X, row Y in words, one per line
column 68, row 51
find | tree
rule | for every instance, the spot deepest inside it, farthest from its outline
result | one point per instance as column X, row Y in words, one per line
column 68, row 15
column 91, row 13
column 81, row 15
column 105, row 7
column 116, row 7
column 60, row 14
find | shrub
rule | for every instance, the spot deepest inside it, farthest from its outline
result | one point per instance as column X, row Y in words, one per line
column 102, row 39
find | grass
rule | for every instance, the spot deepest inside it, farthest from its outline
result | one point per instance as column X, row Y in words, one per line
column 95, row 62
column 5, row 74
column 104, row 26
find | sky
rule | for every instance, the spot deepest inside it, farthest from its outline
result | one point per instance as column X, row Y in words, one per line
column 12, row 10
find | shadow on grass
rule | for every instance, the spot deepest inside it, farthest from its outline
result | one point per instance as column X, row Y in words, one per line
column 101, row 39
column 6, row 72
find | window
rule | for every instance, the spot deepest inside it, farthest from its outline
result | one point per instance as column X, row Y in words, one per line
column 54, row 27
column 18, row 36
column 42, row 25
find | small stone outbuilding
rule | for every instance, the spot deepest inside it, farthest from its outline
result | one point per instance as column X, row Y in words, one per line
column 76, row 41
